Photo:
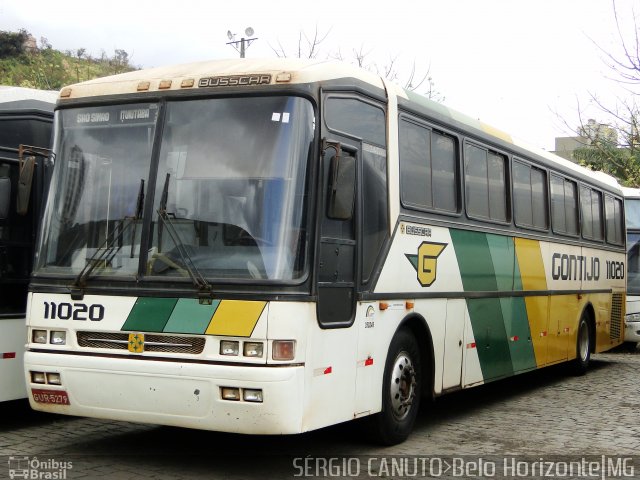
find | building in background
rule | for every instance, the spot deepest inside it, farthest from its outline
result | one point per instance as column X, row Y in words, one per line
column 589, row 133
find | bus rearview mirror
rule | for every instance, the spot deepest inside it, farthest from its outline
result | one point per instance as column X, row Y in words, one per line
column 342, row 187
column 24, row 185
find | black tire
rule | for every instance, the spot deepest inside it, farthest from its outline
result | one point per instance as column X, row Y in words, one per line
column 401, row 391
column 583, row 346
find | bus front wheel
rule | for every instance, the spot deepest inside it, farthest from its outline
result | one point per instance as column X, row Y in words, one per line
column 401, row 387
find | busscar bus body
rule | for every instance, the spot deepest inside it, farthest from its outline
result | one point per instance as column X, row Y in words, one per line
column 271, row 247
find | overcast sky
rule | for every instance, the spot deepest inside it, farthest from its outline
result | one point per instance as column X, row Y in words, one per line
column 520, row 65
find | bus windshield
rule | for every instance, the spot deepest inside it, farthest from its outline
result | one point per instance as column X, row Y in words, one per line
column 226, row 190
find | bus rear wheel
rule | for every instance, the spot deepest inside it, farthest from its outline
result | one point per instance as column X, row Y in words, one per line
column 583, row 346
column 401, row 391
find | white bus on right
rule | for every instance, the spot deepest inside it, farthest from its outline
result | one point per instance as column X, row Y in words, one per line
column 632, row 317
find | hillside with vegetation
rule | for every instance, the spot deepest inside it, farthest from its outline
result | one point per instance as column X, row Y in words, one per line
column 26, row 63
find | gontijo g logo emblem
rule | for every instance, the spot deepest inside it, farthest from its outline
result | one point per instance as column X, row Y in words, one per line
column 426, row 261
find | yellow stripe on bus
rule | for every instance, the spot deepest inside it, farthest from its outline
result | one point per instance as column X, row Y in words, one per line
column 235, row 318
column 533, row 278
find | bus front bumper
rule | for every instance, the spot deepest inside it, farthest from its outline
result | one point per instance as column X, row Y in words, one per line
column 169, row 392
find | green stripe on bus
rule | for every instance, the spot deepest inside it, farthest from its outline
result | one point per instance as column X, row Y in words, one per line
column 474, row 261
column 491, row 337
column 150, row 314
column 517, row 278
column 503, row 258
column 190, row 317
column 500, row 325
column 518, row 334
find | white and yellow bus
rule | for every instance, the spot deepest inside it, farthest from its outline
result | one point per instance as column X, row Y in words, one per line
column 271, row 247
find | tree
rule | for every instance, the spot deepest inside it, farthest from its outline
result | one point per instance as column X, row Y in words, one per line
column 309, row 46
column 12, row 44
column 618, row 155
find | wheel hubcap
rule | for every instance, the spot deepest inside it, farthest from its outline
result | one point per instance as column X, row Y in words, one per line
column 403, row 386
column 583, row 342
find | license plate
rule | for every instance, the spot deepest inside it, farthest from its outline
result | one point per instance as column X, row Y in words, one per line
column 56, row 397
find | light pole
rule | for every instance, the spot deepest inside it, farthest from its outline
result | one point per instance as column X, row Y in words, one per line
column 244, row 42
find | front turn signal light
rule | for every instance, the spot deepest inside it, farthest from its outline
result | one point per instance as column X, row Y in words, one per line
column 284, row 350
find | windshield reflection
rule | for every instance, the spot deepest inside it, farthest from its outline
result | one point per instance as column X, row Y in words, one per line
column 103, row 157
column 234, row 170
column 236, row 193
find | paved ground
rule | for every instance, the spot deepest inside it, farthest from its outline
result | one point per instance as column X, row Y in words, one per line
column 534, row 416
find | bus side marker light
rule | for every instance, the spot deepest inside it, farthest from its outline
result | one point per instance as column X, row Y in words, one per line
column 251, row 395
column 164, row 84
column 283, row 77
column 39, row 336
column 543, row 334
column 566, row 330
column 65, row 93
column 368, row 361
column 6, row 355
column 471, row 345
column 143, row 86
column 230, row 393
column 409, row 305
column 37, row 377
column 284, row 349
column 515, row 338
column 383, row 305
column 187, row 83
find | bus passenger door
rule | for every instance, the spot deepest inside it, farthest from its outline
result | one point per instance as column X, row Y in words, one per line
column 337, row 249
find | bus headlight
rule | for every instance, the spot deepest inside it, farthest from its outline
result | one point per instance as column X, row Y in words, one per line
column 37, row 377
column 53, row 378
column 228, row 347
column 58, row 338
column 253, row 349
column 39, row 336
column 252, row 395
column 632, row 317
column 230, row 393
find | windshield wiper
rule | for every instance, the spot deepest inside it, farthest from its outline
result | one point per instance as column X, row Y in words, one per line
column 139, row 208
column 197, row 278
column 107, row 250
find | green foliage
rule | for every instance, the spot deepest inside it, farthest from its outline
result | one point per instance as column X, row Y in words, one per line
column 623, row 162
column 50, row 69
column 12, row 44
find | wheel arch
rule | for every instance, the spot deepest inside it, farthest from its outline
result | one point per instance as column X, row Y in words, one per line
column 418, row 326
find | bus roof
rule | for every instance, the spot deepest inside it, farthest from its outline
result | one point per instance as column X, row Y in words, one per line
column 18, row 99
column 186, row 76
column 287, row 71
column 629, row 192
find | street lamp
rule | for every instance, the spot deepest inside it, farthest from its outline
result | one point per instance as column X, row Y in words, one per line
column 244, row 42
